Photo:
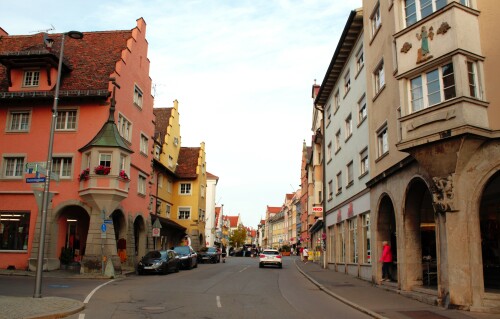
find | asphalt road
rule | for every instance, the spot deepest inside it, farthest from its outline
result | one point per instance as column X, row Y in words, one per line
column 236, row 289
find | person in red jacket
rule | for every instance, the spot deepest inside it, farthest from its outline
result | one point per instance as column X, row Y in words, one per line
column 386, row 260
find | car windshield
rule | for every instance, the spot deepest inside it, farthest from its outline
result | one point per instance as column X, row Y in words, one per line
column 212, row 250
column 153, row 254
column 182, row 250
column 271, row 252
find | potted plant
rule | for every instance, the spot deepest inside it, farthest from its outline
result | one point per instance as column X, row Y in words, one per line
column 102, row 170
column 84, row 175
column 123, row 175
column 285, row 250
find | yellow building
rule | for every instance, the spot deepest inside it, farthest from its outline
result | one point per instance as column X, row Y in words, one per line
column 180, row 174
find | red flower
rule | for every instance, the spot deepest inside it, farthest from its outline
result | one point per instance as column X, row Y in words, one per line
column 102, row 170
column 123, row 174
column 84, row 175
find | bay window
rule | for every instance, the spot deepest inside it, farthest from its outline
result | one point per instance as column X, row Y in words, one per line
column 416, row 10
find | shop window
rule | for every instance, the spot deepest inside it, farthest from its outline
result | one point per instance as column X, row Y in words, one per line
column 14, row 227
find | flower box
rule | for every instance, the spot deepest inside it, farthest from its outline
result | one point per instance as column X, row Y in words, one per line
column 84, row 175
column 102, row 170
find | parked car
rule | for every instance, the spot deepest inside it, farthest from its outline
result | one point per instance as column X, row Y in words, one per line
column 159, row 261
column 187, row 256
column 209, row 254
column 270, row 257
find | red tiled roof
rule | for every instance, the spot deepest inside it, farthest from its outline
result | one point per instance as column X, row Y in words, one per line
column 233, row 221
column 92, row 59
column 212, row 176
column 273, row 209
column 188, row 161
column 289, row 196
column 161, row 123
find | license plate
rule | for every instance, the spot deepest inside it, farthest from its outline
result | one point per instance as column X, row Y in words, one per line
column 148, row 267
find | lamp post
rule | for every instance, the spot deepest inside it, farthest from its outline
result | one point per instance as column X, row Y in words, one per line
column 45, row 199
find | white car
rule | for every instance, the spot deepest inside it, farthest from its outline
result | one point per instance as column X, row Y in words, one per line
column 270, row 257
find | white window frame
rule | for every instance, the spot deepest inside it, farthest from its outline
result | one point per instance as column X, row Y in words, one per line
column 169, row 186
column 105, row 159
column 352, row 225
column 348, row 126
column 64, row 166
column 379, row 77
column 337, row 141
column 328, row 114
column 418, row 6
column 362, row 109
column 363, row 162
column 185, row 189
column 144, row 144
column 338, row 181
column 336, row 100
column 329, row 152
column 124, row 127
column 141, row 184
column 421, row 93
column 31, row 78
column 382, row 141
column 330, row 190
column 375, row 19
column 138, row 96
column 19, row 121
column 66, row 120
column 184, row 213
column 360, row 60
column 366, row 236
column 14, row 165
column 347, row 82
column 473, row 80
column 350, row 173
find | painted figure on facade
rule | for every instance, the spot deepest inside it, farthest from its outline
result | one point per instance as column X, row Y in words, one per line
column 424, row 36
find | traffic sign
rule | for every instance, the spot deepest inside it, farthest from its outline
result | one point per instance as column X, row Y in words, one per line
column 35, row 180
column 103, row 228
column 108, row 221
column 156, row 232
column 157, row 223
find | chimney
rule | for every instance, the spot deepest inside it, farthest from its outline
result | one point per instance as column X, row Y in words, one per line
column 315, row 90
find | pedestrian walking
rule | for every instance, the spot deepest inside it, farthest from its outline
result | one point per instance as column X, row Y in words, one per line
column 386, row 260
column 305, row 253
column 301, row 253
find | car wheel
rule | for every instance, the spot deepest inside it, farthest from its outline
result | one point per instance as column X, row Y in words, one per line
column 177, row 268
column 261, row 265
column 280, row 266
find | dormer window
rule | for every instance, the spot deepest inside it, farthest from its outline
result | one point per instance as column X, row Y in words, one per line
column 31, row 78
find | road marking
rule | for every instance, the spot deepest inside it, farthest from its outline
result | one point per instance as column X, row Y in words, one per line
column 244, row 269
column 219, row 305
column 93, row 291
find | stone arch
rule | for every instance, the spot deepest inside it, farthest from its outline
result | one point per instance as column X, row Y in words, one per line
column 386, row 229
column 69, row 230
column 120, row 233
column 421, row 253
column 140, row 236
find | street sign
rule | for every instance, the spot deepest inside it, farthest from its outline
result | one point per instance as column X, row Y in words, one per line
column 317, row 209
column 156, row 232
column 34, row 167
column 103, row 228
column 157, row 223
column 35, row 180
column 108, row 221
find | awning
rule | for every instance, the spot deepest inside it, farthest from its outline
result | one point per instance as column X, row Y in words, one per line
column 167, row 223
column 317, row 226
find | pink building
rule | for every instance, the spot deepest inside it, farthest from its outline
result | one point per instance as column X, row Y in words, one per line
column 90, row 131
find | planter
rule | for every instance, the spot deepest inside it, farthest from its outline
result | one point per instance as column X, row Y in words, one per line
column 285, row 253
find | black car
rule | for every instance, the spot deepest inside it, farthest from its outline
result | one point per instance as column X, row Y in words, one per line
column 209, row 254
column 159, row 261
column 187, row 256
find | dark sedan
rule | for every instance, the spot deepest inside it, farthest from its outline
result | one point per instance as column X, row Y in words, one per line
column 159, row 261
column 209, row 254
column 187, row 256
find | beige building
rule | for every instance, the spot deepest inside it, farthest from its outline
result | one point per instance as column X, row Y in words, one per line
column 434, row 125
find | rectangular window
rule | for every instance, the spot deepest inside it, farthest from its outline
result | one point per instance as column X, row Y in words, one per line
column 19, row 121
column 382, row 141
column 465, row 2
column 31, row 78
column 124, row 127
column 379, row 77
column 202, row 191
column 336, row 100
column 342, row 242
column 169, row 186
column 360, row 60
column 157, row 151
column 416, row 10
column 350, row 174
column 13, row 166
column 141, row 185
column 137, row 96
column 337, row 141
column 328, row 114
column 185, row 189
column 144, row 144
column 365, row 219
column 105, row 159
column 329, row 152
column 348, row 127
column 123, row 162
column 375, row 19
column 14, row 230
column 170, row 161
column 62, row 166
column 160, row 181
column 168, row 209
column 347, row 82
column 352, row 246
column 437, row 85
column 362, row 111
column 339, row 182
column 66, row 120
column 363, row 162
column 330, row 189
column 184, row 213
column 473, row 80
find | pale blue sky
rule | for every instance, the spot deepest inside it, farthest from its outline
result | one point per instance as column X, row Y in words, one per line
column 242, row 71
